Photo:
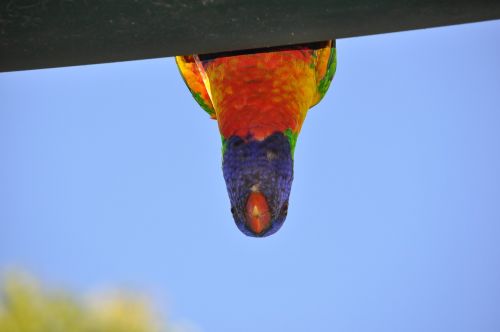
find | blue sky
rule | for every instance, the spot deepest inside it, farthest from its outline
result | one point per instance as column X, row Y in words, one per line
column 111, row 176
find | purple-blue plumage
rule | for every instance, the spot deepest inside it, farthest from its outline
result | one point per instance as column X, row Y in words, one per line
column 263, row 167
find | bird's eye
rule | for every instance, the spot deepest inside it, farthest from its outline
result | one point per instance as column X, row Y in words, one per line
column 233, row 210
column 284, row 209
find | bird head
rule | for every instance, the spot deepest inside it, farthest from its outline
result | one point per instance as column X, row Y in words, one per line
column 258, row 175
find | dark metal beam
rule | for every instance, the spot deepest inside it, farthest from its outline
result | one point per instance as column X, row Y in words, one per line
column 55, row 33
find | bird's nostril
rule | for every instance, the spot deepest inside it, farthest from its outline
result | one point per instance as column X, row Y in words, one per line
column 254, row 188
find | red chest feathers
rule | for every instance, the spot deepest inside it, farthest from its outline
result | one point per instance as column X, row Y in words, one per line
column 259, row 94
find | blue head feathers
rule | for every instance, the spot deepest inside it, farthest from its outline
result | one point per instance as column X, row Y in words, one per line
column 258, row 177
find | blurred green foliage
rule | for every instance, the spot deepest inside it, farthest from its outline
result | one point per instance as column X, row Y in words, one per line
column 27, row 307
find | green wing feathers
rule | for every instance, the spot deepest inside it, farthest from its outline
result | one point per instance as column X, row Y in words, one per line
column 194, row 81
column 326, row 64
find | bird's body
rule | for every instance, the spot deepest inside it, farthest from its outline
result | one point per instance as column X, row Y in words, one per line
column 260, row 99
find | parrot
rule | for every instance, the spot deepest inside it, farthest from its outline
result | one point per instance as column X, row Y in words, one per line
column 259, row 98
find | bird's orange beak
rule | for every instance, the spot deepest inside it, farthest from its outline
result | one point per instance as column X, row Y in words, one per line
column 258, row 217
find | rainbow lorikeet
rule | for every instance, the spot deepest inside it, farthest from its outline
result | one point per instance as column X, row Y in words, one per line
column 260, row 99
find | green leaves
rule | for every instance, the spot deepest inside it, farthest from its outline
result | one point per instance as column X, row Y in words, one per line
column 26, row 307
